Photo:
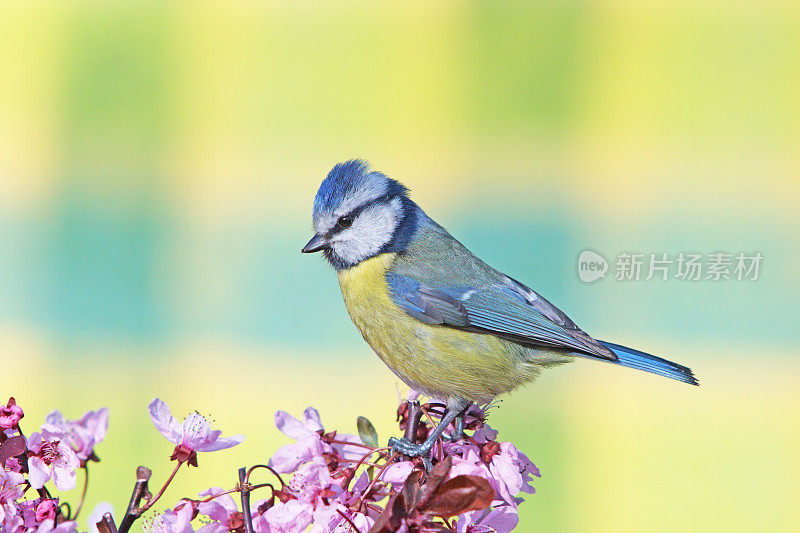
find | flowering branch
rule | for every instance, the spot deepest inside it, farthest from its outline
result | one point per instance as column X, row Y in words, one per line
column 328, row 481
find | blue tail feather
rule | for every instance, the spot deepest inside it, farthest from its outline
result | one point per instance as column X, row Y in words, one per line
column 650, row 363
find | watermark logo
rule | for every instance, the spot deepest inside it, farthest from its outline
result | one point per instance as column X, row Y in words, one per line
column 662, row 266
column 591, row 266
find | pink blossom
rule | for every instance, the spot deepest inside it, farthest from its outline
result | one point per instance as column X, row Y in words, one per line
column 10, row 490
column 194, row 435
column 290, row 456
column 296, row 429
column 223, row 511
column 329, row 519
column 309, row 443
column 313, row 481
column 397, row 473
column 10, row 519
column 345, row 451
column 46, row 510
column 469, row 465
column 84, row 434
column 291, row 517
column 502, row 519
column 49, row 456
column 10, row 414
column 35, row 512
column 514, row 469
column 176, row 520
column 10, row 486
column 260, row 524
column 507, row 469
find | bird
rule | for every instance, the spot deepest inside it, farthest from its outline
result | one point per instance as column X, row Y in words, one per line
column 446, row 323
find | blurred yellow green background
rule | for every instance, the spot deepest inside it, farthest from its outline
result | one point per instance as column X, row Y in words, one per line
column 158, row 163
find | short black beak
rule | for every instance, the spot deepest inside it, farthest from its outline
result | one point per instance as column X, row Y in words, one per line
column 316, row 244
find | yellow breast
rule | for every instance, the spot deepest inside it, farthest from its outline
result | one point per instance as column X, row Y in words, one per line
column 437, row 360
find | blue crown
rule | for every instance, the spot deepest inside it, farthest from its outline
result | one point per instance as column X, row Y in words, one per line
column 349, row 177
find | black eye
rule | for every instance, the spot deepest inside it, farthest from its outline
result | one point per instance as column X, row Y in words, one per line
column 345, row 222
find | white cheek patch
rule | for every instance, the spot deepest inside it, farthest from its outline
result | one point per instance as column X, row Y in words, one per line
column 371, row 230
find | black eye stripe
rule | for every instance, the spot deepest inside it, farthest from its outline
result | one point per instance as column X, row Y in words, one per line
column 383, row 199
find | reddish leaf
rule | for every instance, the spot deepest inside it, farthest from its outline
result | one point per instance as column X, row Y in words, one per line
column 460, row 495
column 435, row 478
column 392, row 517
column 412, row 491
column 11, row 447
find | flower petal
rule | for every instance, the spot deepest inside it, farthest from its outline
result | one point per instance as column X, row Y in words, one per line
column 64, row 477
column 96, row 422
column 55, row 418
column 220, row 508
column 215, row 527
column 289, row 457
column 289, row 517
column 501, row 519
column 290, row 426
column 164, row 422
column 221, row 443
column 311, row 417
column 351, row 453
column 38, row 472
column 397, row 473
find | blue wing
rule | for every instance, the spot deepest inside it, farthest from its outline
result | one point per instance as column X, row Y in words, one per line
column 505, row 308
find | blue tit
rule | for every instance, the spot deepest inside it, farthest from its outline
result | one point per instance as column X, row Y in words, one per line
column 445, row 322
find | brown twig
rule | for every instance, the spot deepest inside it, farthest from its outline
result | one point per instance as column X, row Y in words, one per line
column 414, row 415
column 133, row 512
column 106, row 524
column 245, row 492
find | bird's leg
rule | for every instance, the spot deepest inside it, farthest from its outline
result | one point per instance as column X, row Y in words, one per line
column 406, row 447
column 458, row 434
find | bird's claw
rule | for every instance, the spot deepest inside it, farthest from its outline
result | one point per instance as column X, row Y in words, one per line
column 409, row 449
column 406, row 447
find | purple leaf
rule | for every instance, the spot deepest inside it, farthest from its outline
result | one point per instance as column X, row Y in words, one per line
column 11, row 447
column 392, row 517
column 460, row 495
column 437, row 475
